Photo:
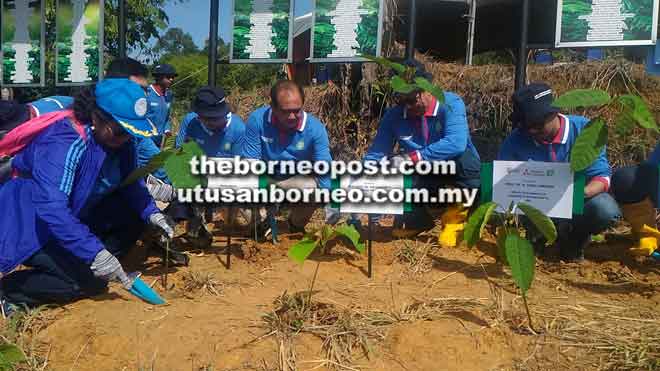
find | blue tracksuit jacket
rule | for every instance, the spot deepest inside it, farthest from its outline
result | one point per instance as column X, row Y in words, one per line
column 448, row 134
column 51, row 104
column 225, row 143
column 519, row 146
column 309, row 142
column 159, row 110
column 59, row 171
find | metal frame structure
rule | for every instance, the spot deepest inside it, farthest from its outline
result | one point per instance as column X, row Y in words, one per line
column 101, row 37
column 42, row 77
column 379, row 40
column 289, row 52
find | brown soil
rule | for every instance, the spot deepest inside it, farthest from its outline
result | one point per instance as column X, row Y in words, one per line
column 198, row 330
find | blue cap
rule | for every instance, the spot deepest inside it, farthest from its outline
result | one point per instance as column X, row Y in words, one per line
column 51, row 104
column 126, row 101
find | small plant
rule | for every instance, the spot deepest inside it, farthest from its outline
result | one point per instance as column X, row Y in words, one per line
column 300, row 251
column 176, row 162
column 10, row 357
column 631, row 110
column 514, row 249
column 404, row 80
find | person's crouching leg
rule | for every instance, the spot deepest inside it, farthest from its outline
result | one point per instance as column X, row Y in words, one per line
column 600, row 212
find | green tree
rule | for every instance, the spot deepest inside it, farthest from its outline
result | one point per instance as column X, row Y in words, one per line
column 175, row 42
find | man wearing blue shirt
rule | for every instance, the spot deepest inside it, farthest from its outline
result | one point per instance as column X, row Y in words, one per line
column 428, row 130
column 544, row 134
column 284, row 132
column 160, row 100
column 219, row 133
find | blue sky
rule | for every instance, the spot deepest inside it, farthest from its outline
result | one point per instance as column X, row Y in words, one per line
column 193, row 17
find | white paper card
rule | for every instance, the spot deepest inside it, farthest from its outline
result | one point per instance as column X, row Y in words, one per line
column 548, row 186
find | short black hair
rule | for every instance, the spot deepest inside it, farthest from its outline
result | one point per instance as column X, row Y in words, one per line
column 283, row 85
column 125, row 68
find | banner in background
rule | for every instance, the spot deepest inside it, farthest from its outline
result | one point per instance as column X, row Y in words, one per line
column 262, row 31
column 585, row 23
column 344, row 29
column 23, row 38
column 79, row 44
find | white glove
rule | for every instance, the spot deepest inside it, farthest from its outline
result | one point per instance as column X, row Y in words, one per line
column 165, row 224
column 159, row 190
column 106, row 267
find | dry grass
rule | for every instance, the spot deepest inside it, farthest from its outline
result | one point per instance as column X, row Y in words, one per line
column 414, row 255
column 21, row 329
column 204, row 282
column 348, row 333
column 615, row 337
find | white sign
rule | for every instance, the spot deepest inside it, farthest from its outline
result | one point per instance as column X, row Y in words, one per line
column 548, row 186
column 250, row 181
column 368, row 185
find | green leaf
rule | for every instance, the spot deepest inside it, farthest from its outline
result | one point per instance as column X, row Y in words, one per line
column 352, row 234
column 588, row 145
column 426, row 85
column 476, row 223
column 154, row 164
column 624, row 123
column 399, row 85
column 520, row 255
column 10, row 356
column 582, row 98
column 302, row 249
column 399, row 68
column 540, row 221
column 639, row 111
column 178, row 169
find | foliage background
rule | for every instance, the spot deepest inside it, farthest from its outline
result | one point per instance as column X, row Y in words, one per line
column 281, row 14
column 34, row 55
column 242, row 27
column 367, row 30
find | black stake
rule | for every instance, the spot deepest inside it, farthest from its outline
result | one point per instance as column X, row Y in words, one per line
column 230, row 221
column 369, row 247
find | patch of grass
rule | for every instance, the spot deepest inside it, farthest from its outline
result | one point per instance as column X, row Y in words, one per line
column 348, row 332
column 414, row 255
column 201, row 282
column 620, row 337
column 21, row 329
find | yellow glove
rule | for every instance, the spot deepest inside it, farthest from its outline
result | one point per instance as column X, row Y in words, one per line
column 648, row 241
column 453, row 222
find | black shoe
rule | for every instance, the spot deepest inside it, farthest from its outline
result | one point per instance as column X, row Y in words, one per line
column 572, row 251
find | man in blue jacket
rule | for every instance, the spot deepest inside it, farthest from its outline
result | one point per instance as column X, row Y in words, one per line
column 543, row 134
column 284, row 132
column 428, row 130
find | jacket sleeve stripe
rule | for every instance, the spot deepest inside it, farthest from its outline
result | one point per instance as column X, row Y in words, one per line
column 70, row 165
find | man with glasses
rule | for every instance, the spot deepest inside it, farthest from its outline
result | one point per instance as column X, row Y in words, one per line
column 543, row 134
column 284, row 132
column 428, row 130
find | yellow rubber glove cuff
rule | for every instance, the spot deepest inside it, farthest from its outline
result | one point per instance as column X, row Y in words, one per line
column 449, row 235
column 646, row 247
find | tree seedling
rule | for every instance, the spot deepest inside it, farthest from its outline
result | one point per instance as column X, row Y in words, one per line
column 319, row 239
column 513, row 247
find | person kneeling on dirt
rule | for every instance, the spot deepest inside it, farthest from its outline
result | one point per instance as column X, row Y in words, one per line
column 428, row 130
column 53, row 206
column 284, row 132
column 544, row 134
column 220, row 133
column 636, row 190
